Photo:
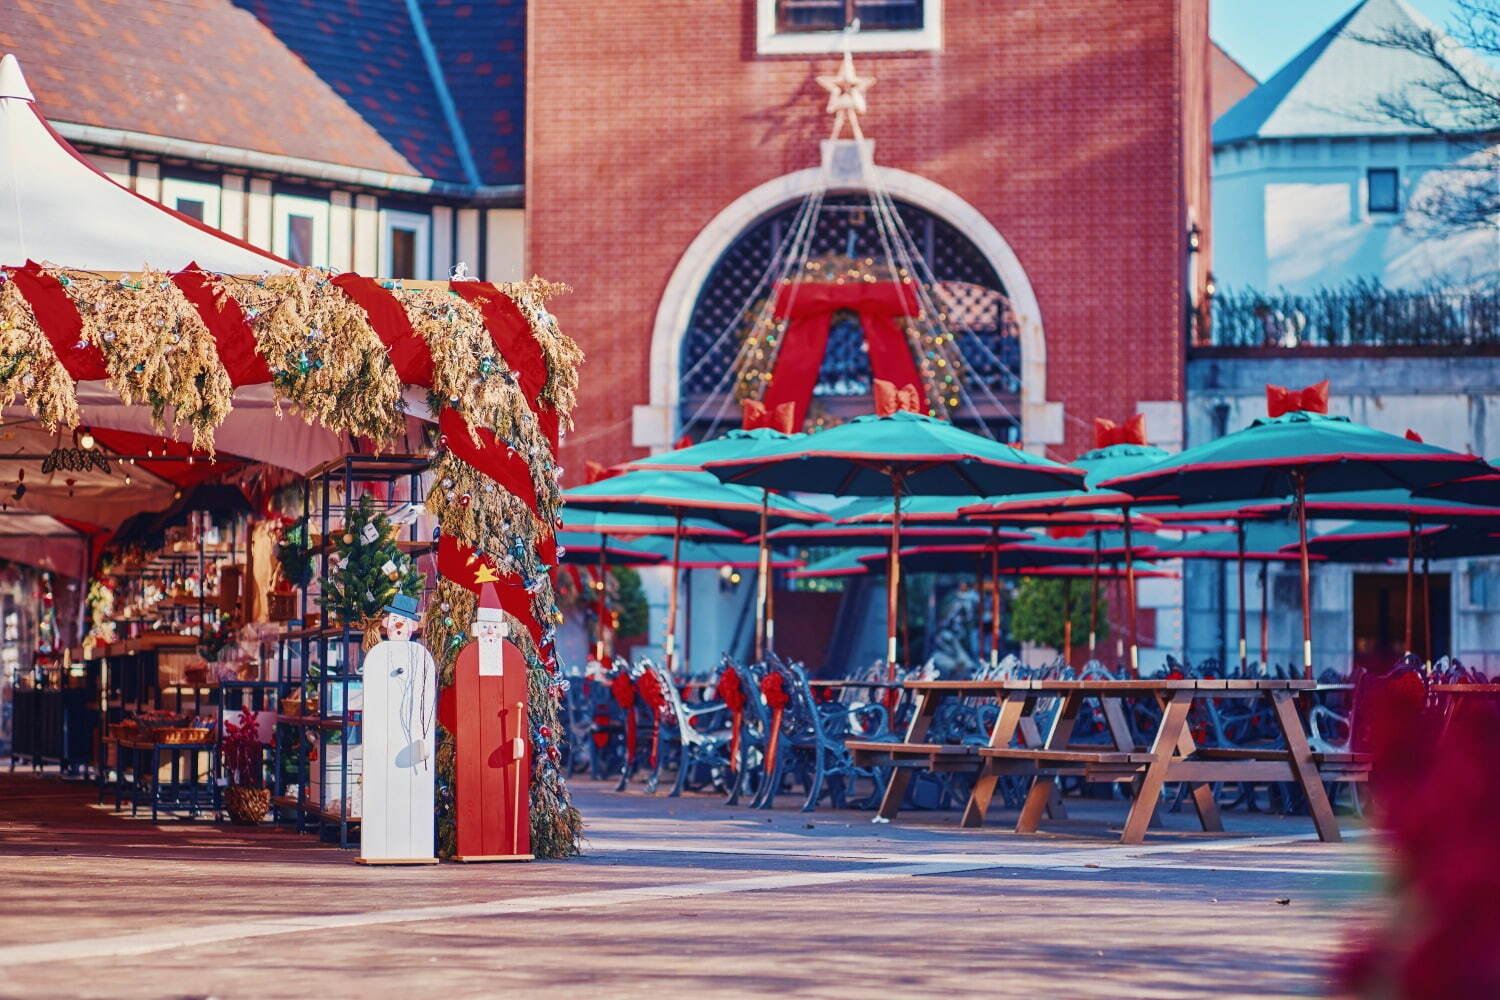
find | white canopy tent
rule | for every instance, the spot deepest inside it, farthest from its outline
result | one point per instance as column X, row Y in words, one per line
column 57, row 208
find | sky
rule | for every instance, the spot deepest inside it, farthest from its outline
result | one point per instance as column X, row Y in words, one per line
column 1264, row 34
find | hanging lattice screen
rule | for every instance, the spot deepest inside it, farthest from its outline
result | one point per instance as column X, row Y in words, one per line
column 966, row 284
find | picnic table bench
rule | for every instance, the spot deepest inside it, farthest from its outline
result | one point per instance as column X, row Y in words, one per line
column 1172, row 755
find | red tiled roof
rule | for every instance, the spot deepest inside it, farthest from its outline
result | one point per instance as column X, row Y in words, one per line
column 209, row 71
column 1228, row 81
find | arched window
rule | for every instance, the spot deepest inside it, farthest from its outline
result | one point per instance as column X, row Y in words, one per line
column 967, row 286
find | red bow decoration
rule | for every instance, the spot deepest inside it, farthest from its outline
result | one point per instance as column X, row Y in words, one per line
column 686, row 441
column 1412, row 435
column 889, row 399
column 651, row 694
column 1280, row 399
column 756, row 415
column 808, row 308
column 623, row 689
column 777, row 699
column 1107, row 432
column 1067, row 531
column 596, row 470
column 734, row 699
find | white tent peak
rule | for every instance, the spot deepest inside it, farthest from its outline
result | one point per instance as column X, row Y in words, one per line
column 13, row 81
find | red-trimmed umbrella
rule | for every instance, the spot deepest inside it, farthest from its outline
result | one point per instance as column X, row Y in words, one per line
column 902, row 454
column 739, row 443
column 1297, row 450
column 679, row 495
column 1253, row 541
column 1380, row 541
column 1118, row 449
column 1482, row 488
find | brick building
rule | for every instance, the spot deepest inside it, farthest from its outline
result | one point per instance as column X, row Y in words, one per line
column 1065, row 142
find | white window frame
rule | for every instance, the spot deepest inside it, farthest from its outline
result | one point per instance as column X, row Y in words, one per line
column 211, row 195
column 929, row 38
column 285, row 205
column 417, row 222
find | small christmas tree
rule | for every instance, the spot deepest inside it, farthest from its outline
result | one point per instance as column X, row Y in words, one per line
column 371, row 568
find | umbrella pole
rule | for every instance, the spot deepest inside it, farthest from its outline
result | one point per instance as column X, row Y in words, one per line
column 603, row 600
column 1094, row 603
column 1265, row 620
column 761, row 583
column 1067, row 583
column 1239, row 527
column 995, row 596
column 1135, row 649
column 1300, row 480
column 1427, row 607
column 1411, row 562
column 671, row 644
column 893, row 580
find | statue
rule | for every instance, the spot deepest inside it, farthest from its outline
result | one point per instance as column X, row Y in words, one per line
column 486, row 711
column 400, row 698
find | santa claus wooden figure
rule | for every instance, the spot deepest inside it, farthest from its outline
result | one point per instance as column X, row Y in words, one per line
column 400, row 701
column 486, row 711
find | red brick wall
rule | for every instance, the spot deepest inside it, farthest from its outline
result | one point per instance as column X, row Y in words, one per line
column 1063, row 121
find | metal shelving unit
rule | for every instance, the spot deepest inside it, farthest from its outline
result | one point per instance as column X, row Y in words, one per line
column 326, row 658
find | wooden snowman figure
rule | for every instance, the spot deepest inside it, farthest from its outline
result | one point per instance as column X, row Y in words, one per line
column 492, row 793
column 400, row 707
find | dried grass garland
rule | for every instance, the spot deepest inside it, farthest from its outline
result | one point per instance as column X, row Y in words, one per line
column 323, row 353
column 156, row 348
column 29, row 367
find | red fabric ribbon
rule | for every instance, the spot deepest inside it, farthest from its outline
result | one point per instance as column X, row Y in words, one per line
column 234, row 340
column 459, row 563
column 1412, row 435
column 734, row 699
column 492, row 457
column 595, row 471
column 1107, row 432
column 889, row 399
column 511, row 334
column 651, row 694
column 808, row 308
column 757, row 416
column 59, row 320
column 774, row 689
column 1280, row 399
column 405, row 347
column 621, row 686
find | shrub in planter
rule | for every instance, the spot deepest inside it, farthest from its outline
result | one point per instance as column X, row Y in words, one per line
column 246, row 798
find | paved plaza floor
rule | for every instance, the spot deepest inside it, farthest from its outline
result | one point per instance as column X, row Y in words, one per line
column 676, row 898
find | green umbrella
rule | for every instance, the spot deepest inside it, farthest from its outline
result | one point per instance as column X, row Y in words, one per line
column 626, row 525
column 1258, row 541
column 1379, row 541
column 1481, row 488
column 1067, row 508
column 735, row 444
column 679, row 495
column 1381, row 505
column 1297, row 454
column 901, row 454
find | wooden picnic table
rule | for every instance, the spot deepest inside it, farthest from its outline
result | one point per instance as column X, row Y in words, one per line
column 840, row 685
column 1171, row 756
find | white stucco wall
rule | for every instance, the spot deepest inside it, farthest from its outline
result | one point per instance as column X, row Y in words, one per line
column 1293, row 213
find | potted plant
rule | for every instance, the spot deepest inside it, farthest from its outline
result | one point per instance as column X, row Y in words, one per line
column 247, row 797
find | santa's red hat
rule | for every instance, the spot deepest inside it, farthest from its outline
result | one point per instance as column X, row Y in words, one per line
column 489, row 605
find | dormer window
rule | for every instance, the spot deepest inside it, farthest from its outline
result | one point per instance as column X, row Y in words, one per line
column 836, row 15
column 817, row 26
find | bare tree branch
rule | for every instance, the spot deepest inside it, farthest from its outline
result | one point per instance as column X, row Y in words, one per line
column 1458, row 102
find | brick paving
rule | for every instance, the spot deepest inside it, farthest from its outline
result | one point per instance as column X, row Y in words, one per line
column 674, row 898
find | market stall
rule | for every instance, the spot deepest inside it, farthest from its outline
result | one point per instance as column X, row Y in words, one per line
column 400, row 437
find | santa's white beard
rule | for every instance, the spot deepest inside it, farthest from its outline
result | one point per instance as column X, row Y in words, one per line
column 491, row 658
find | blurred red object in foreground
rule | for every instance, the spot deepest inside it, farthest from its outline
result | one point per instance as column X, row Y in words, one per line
column 1435, row 789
